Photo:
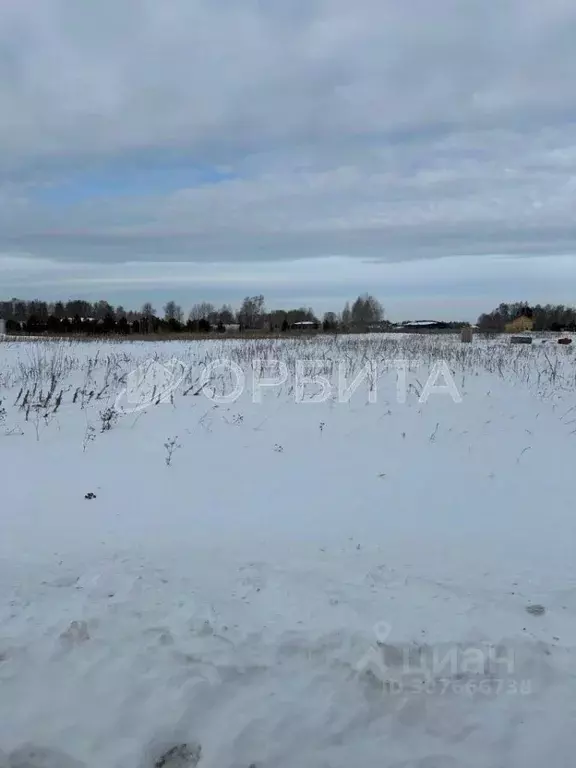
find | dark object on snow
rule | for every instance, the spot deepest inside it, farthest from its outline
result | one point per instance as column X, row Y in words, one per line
column 90, row 496
column 536, row 610
column 565, row 341
column 521, row 339
column 180, row 756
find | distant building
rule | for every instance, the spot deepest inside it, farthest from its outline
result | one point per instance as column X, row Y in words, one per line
column 305, row 325
column 379, row 327
column 519, row 325
column 423, row 326
column 2, row 326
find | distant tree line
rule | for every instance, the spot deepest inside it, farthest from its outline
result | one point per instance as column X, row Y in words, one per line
column 77, row 316
column 543, row 318
column 365, row 313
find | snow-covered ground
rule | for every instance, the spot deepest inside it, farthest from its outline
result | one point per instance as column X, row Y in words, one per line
column 294, row 578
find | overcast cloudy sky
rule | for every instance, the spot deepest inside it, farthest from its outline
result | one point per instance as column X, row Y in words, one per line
column 422, row 150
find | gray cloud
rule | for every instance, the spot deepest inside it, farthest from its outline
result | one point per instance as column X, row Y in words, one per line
column 113, row 76
column 375, row 129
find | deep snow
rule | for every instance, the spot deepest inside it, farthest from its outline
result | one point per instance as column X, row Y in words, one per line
column 246, row 596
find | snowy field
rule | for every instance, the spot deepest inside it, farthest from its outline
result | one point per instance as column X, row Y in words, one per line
column 304, row 575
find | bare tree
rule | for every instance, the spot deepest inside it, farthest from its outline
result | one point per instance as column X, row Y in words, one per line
column 202, row 311
column 59, row 310
column 366, row 310
column 251, row 312
column 330, row 321
column 347, row 316
column 173, row 311
column 102, row 309
column 148, row 322
column 226, row 314
column 78, row 307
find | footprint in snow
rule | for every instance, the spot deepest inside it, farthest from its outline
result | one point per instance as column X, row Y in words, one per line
column 76, row 634
column 254, row 578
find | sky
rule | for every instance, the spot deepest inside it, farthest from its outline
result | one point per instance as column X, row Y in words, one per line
column 309, row 150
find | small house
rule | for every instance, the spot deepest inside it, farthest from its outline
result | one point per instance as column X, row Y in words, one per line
column 423, row 326
column 520, row 325
column 305, row 325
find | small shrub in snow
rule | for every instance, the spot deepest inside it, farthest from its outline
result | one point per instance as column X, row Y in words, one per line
column 108, row 417
column 170, row 445
column 89, row 437
column 41, row 418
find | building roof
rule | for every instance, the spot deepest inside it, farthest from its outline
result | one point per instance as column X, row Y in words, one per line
column 424, row 323
column 305, row 322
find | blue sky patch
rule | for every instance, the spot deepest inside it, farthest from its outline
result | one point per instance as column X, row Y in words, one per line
column 124, row 179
